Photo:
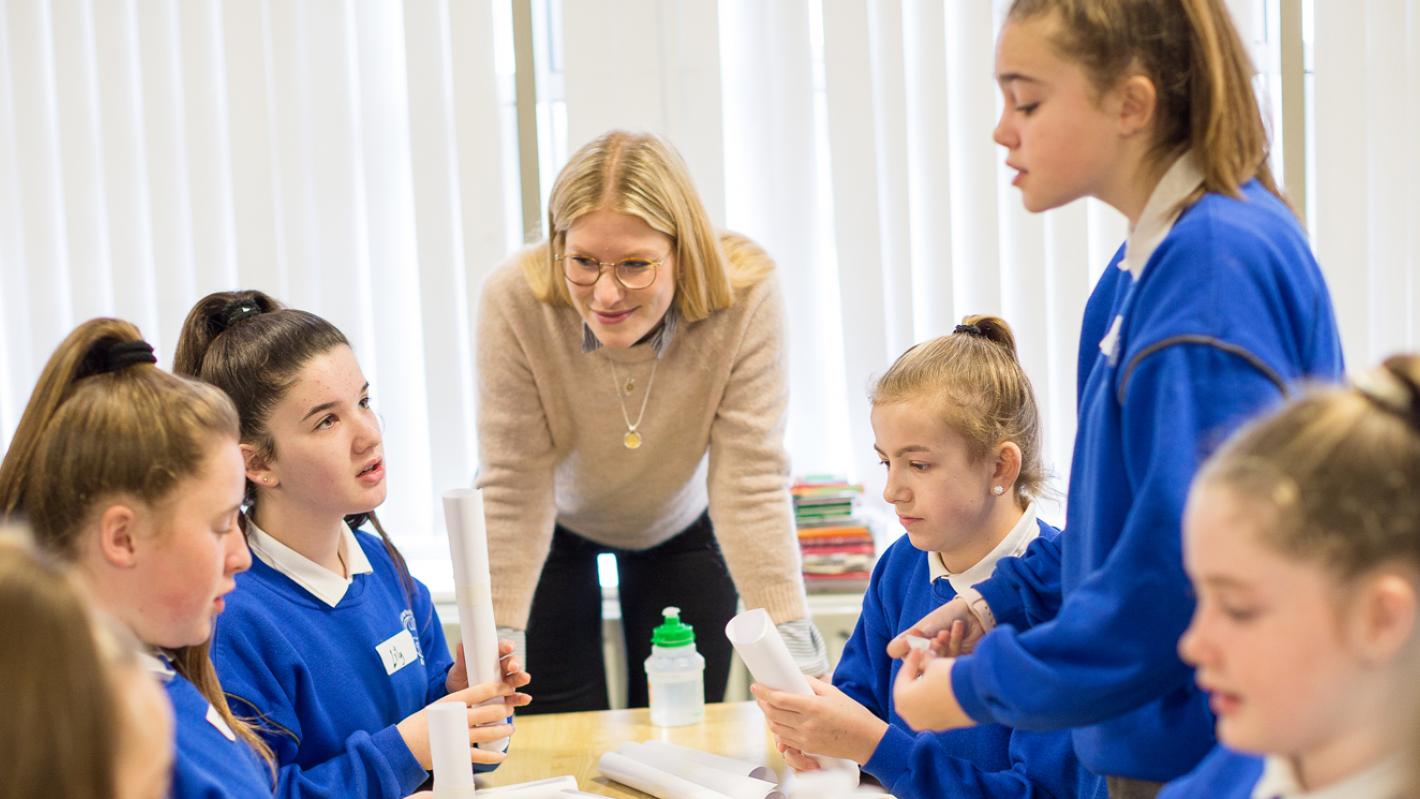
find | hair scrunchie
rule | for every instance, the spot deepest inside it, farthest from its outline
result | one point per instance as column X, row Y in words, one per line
column 237, row 310
column 111, row 355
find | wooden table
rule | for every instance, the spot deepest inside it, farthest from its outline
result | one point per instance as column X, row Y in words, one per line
column 569, row 743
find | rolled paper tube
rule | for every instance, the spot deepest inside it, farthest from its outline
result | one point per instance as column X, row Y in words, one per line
column 743, row 768
column 550, row 788
column 448, row 743
column 671, row 761
column 652, row 780
column 468, row 549
column 759, row 645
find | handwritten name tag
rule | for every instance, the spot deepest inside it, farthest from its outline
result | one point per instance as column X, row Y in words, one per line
column 397, row 651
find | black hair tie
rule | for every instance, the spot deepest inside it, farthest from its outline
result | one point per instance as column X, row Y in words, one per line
column 237, row 310
column 111, row 356
column 970, row 330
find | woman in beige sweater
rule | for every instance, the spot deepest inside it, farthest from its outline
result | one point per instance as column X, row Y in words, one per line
column 588, row 445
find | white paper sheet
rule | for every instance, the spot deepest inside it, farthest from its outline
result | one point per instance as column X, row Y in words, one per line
column 448, row 743
column 550, row 788
column 743, row 768
column 652, row 780
column 468, row 548
column 672, row 761
column 759, row 645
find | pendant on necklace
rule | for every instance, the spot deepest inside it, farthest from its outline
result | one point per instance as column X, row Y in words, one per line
column 632, row 439
column 630, row 385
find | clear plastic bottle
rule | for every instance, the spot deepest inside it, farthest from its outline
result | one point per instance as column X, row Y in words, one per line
column 675, row 673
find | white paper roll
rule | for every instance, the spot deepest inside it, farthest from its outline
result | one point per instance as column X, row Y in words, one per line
column 448, row 743
column 760, row 646
column 550, row 788
column 674, row 762
column 652, row 780
column 743, row 768
column 473, row 589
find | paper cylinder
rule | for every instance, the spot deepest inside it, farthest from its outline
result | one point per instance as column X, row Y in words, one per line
column 550, row 788
column 652, row 780
column 468, row 548
column 674, row 761
column 448, row 743
column 743, row 768
column 759, row 645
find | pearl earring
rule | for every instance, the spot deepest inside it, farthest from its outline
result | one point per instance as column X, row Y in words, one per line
column 998, row 490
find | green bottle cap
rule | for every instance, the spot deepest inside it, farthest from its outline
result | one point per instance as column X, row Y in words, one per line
column 672, row 632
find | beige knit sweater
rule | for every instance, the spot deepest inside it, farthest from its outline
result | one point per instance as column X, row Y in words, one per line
column 550, row 441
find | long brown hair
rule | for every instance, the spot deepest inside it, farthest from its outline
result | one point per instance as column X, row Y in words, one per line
column 92, row 432
column 61, row 724
column 253, row 348
column 1200, row 69
column 973, row 379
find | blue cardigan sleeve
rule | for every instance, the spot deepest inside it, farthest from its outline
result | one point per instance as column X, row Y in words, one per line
column 913, row 765
column 377, row 764
column 925, row 764
column 1025, row 591
column 1112, row 647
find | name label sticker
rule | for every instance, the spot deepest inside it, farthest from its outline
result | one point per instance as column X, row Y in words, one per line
column 397, row 651
column 215, row 719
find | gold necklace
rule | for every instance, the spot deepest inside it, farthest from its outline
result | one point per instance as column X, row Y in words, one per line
column 632, row 439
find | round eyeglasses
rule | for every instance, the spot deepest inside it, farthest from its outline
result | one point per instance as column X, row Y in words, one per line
column 631, row 273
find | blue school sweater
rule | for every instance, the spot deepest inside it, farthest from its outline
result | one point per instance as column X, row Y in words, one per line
column 1229, row 312
column 1223, row 774
column 320, row 693
column 985, row 761
column 210, row 762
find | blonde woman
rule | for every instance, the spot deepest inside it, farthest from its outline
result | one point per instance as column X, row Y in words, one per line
column 632, row 399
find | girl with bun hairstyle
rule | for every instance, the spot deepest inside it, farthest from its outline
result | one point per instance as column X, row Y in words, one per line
column 958, row 431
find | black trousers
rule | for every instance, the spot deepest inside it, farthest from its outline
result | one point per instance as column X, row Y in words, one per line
column 564, row 635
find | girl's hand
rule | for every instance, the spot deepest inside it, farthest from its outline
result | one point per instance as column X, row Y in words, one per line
column 511, row 668
column 513, row 673
column 952, row 628
column 415, row 729
column 458, row 675
column 827, row 723
column 922, row 694
column 797, row 760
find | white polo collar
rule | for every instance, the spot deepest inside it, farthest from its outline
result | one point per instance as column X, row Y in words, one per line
column 1386, row 780
column 1014, row 544
column 156, row 665
column 1160, row 212
column 320, row 582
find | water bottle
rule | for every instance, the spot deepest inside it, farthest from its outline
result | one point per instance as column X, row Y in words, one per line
column 675, row 673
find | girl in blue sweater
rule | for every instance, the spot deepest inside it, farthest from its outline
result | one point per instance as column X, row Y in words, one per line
column 330, row 643
column 1210, row 312
column 958, row 431
column 135, row 476
column 1302, row 539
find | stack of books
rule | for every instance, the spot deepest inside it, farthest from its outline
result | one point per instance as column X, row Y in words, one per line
column 836, row 543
